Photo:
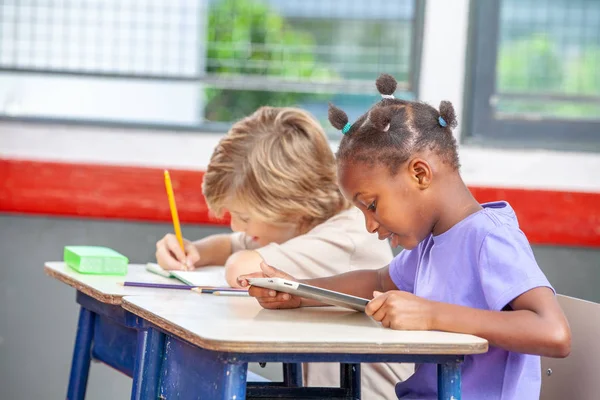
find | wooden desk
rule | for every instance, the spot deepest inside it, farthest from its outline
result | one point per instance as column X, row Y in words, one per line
column 211, row 339
column 107, row 332
column 104, row 288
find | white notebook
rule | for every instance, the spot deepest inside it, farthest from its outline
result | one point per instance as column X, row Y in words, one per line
column 213, row 276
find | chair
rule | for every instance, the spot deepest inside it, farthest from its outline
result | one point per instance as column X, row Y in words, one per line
column 576, row 377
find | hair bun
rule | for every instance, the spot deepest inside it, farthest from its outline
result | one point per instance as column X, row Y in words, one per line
column 386, row 84
column 337, row 117
column 447, row 112
column 381, row 117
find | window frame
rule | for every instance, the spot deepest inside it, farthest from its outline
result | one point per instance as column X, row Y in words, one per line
column 481, row 127
column 411, row 89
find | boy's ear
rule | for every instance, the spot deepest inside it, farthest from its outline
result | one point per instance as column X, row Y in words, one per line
column 420, row 172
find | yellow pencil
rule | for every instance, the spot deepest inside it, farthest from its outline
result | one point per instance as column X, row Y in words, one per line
column 173, row 207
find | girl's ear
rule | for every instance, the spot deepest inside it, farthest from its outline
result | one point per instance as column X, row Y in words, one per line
column 421, row 172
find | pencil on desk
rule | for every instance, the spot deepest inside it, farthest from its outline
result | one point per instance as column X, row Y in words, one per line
column 212, row 290
column 199, row 289
column 173, row 208
column 156, row 285
column 231, row 293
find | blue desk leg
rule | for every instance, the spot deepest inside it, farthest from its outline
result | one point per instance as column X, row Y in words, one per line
column 146, row 373
column 82, row 354
column 449, row 381
column 192, row 373
column 235, row 381
column 292, row 374
column 350, row 379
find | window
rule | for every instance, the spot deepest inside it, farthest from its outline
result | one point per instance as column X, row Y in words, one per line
column 535, row 79
column 200, row 63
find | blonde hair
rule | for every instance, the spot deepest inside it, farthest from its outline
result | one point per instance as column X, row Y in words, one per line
column 278, row 163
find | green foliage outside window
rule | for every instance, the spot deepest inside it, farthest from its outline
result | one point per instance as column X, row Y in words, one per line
column 249, row 38
column 535, row 66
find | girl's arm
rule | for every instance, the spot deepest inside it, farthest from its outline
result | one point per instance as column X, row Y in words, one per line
column 535, row 325
column 361, row 283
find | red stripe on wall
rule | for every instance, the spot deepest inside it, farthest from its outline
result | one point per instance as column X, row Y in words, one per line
column 100, row 191
column 135, row 193
column 551, row 217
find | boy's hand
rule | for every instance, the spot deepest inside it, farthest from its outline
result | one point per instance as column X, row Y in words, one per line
column 170, row 256
column 269, row 298
column 401, row 311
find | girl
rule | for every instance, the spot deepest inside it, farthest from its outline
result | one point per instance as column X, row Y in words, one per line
column 275, row 173
column 466, row 267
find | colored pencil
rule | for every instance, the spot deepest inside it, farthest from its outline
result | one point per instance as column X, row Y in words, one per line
column 156, row 285
column 173, row 207
column 212, row 290
column 230, row 293
column 199, row 289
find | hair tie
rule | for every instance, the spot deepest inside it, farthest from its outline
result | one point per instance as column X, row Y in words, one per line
column 442, row 122
column 346, row 128
column 387, row 96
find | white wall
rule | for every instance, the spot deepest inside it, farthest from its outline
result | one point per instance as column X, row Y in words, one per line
column 442, row 78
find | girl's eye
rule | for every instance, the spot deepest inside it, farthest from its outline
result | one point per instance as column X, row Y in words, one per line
column 372, row 206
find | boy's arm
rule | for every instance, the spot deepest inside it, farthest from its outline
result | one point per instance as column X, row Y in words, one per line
column 241, row 262
column 213, row 250
column 296, row 259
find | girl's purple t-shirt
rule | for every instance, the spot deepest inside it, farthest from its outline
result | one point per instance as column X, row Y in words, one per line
column 484, row 261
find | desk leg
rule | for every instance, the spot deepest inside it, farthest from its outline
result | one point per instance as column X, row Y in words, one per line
column 146, row 372
column 350, row 380
column 192, row 373
column 235, row 381
column 82, row 354
column 292, row 374
column 449, row 381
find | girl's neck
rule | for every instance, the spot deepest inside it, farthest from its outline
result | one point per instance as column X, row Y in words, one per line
column 456, row 204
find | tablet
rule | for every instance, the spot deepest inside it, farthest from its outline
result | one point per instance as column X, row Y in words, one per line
column 312, row 292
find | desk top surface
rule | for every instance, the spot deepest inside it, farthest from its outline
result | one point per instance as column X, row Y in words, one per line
column 237, row 324
column 106, row 288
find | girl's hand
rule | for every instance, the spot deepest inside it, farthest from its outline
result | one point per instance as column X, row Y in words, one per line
column 401, row 310
column 269, row 298
column 170, row 256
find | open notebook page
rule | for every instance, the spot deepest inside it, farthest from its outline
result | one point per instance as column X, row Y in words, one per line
column 212, row 276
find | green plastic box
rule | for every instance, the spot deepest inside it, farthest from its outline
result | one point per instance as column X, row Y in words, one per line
column 95, row 260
